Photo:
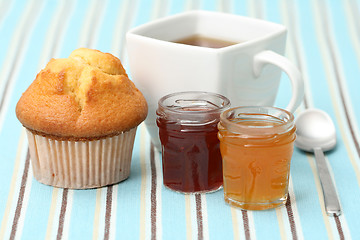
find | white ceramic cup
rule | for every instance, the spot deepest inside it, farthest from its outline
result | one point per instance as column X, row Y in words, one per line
column 248, row 73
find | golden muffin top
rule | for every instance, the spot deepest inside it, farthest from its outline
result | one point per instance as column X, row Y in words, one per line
column 87, row 95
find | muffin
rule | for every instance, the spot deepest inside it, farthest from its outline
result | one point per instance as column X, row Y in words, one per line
column 81, row 114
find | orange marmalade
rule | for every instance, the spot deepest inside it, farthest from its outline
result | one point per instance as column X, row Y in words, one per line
column 256, row 145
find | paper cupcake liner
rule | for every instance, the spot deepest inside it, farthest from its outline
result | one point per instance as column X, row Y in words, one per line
column 81, row 164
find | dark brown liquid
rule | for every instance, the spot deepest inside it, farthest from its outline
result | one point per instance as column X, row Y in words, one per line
column 203, row 41
column 190, row 156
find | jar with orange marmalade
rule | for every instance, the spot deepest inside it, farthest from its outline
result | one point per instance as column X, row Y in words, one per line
column 256, row 144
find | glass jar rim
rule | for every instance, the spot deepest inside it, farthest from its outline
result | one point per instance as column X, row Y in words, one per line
column 285, row 124
column 225, row 104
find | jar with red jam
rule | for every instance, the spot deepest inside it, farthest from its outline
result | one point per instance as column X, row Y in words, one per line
column 191, row 156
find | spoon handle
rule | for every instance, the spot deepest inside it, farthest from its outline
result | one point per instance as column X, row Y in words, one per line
column 331, row 200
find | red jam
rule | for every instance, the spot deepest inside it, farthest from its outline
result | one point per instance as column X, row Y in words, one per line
column 191, row 157
column 190, row 148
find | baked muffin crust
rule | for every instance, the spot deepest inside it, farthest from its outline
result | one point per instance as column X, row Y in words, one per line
column 87, row 95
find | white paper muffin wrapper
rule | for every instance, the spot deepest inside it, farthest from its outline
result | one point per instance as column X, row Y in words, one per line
column 81, row 164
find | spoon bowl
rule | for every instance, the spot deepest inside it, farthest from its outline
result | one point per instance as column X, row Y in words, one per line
column 316, row 133
column 315, row 129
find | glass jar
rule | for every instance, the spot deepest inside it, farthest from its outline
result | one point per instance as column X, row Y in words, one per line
column 256, row 145
column 191, row 156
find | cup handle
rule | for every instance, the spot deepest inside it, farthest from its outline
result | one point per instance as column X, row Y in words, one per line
column 297, row 83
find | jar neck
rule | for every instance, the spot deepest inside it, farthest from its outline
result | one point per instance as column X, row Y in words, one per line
column 257, row 121
column 192, row 108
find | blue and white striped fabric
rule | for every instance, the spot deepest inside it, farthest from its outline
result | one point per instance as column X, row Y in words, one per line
column 324, row 42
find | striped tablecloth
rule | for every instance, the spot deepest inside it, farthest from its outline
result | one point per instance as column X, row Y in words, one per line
column 324, row 42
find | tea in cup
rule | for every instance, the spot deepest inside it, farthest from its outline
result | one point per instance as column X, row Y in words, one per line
column 235, row 56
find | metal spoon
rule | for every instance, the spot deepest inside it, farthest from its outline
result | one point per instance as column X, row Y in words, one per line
column 316, row 133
